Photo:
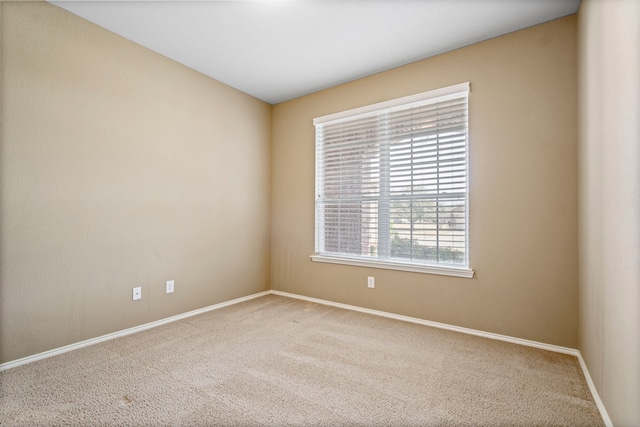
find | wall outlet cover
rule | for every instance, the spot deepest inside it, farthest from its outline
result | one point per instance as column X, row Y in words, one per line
column 371, row 282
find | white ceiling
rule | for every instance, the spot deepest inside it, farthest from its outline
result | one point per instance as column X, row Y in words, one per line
column 277, row 50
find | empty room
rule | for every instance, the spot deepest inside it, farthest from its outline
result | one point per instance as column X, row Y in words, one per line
column 320, row 212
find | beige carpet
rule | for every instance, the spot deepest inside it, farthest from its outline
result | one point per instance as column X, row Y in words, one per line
column 278, row 361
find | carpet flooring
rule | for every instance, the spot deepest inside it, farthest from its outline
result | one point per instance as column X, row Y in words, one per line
column 277, row 361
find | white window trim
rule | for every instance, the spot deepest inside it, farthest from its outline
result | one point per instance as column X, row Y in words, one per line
column 426, row 97
column 374, row 108
column 390, row 265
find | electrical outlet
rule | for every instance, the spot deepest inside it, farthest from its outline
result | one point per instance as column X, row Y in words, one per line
column 137, row 293
column 169, row 287
column 371, row 282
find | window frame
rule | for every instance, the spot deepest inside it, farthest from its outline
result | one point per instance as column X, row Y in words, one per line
column 388, row 263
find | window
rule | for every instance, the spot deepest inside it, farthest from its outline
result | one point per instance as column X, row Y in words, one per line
column 391, row 184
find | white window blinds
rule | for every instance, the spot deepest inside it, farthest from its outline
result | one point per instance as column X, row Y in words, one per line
column 391, row 181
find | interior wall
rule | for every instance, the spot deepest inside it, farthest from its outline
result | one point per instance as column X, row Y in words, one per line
column 609, row 64
column 120, row 168
column 523, row 190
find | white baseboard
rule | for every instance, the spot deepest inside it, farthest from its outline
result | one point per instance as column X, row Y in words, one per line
column 550, row 347
column 594, row 392
column 506, row 338
column 91, row 341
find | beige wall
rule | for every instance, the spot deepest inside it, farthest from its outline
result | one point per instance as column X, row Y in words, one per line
column 523, row 180
column 609, row 60
column 120, row 168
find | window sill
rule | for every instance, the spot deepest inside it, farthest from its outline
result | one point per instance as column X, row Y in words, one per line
column 390, row 265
